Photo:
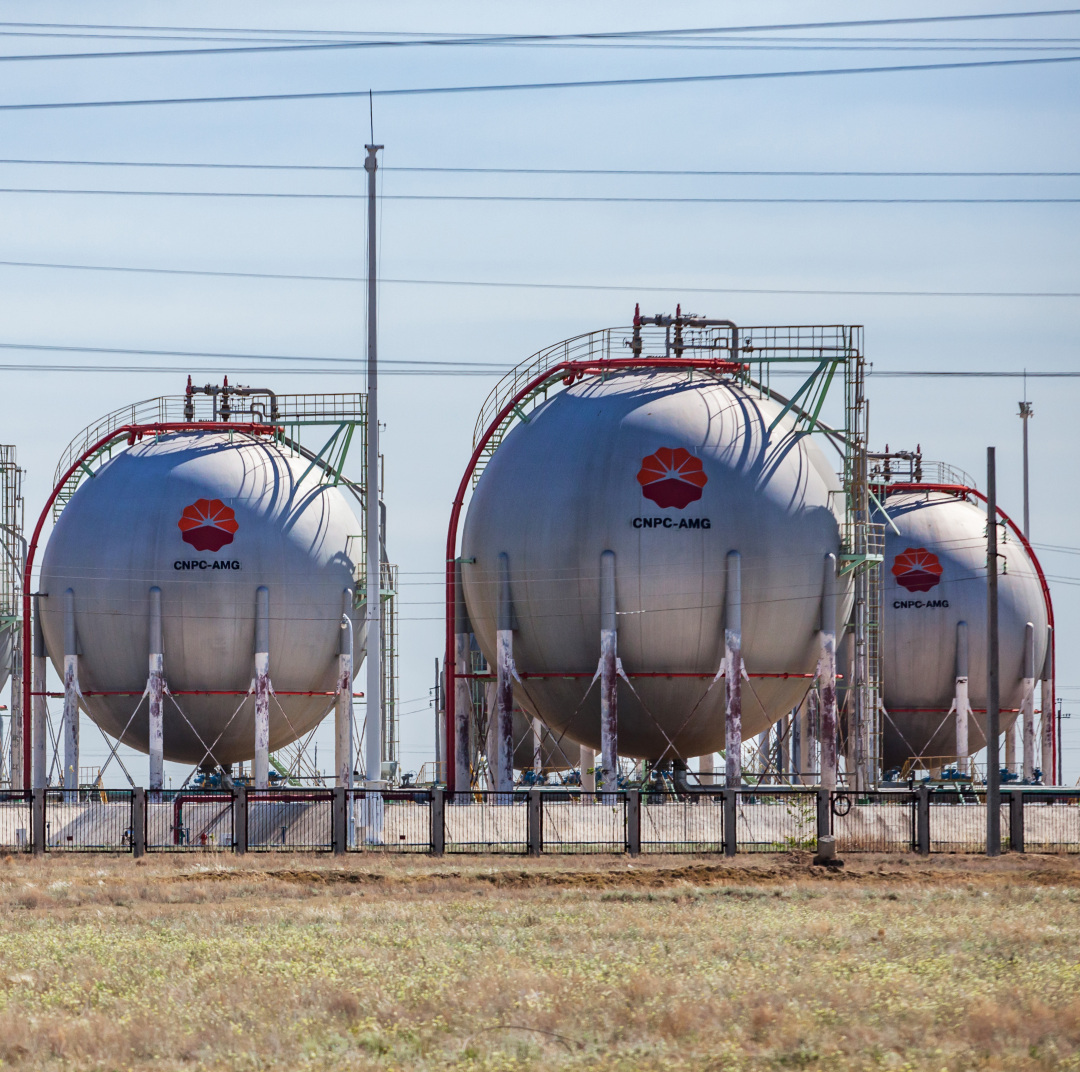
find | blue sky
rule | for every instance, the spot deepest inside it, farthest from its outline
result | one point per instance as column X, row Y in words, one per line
column 992, row 119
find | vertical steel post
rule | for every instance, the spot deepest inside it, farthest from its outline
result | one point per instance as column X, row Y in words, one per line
column 343, row 710
column 463, row 705
column 373, row 570
column 1016, row 820
column 827, row 676
column 339, row 823
column 733, row 672
column 633, row 822
column 17, row 765
column 960, row 698
column 240, row 817
column 504, row 672
column 37, row 820
column 40, row 703
column 155, row 688
column 138, row 822
column 536, row 820
column 1027, row 704
column 262, row 688
column 993, row 693
column 922, row 820
column 1027, row 411
column 438, row 821
column 609, row 681
column 731, row 819
column 71, row 694
column 1047, row 704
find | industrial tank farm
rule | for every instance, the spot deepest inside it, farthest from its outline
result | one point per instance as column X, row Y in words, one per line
column 670, row 473
column 207, row 518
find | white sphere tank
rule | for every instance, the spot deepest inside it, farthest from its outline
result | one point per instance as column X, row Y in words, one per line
column 208, row 518
column 934, row 576
column 670, row 473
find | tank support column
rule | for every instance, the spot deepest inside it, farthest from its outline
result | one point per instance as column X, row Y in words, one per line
column 262, row 688
column 961, row 703
column 343, row 720
column 71, row 694
column 460, row 751
column 504, row 676
column 155, row 688
column 609, row 680
column 18, row 718
column 588, row 771
column 1027, row 704
column 1047, row 690
column 827, row 677
column 733, row 672
column 40, row 702
column 705, row 769
column 538, row 753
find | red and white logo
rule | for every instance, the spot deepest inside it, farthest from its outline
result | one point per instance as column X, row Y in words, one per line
column 917, row 569
column 207, row 524
column 672, row 477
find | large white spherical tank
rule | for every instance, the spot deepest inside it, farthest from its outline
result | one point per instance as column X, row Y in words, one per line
column 207, row 518
column 934, row 576
column 670, row 473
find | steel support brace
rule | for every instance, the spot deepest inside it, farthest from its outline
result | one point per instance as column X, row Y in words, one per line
column 1016, row 820
column 961, row 702
column 536, row 823
column 733, row 672
column 339, row 819
column 1027, row 704
column 240, row 824
column 633, row 822
column 922, row 820
column 37, row 820
column 138, row 823
column 39, row 703
column 824, row 813
column 731, row 829
column 262, row 688
column 155, row 687
column 827, row 677
column 609, row 681
column 71, row 697
column 343, row 709
column 504, row 671
column 438, row 821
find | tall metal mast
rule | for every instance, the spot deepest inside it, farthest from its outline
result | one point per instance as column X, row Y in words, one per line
column 1027, row 410
column 373, row 607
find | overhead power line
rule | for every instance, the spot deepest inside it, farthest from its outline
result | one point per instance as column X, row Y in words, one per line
column 507, row 284
column 513, row 86
column 554, row 199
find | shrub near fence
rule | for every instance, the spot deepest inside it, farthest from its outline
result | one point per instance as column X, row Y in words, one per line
column 763, row 819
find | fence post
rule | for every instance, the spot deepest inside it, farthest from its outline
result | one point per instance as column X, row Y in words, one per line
column 37, row 821
column 239, row 822
column 922, row 820
column 438, row 821
column 824, row 813
column 633, row 822
column 535, row 824
column 731, row 834
column 138, row 823
column 338, row 825
column 1016, row 820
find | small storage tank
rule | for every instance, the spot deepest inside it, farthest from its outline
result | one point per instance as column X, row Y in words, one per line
column 208, row 518
column 670, row 472
column 934, row 577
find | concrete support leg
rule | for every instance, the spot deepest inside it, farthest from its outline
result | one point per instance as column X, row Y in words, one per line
column 961, row 703
column 504, row 675
column 40, row 703
column 1010, row 748
column 827, row 676
column 1047, row 697
column 155, row 687
column 262, row 688
column 343, row 709
column 609, row 717
column 1027, row 705
column 733, row 672
column 538, row 747
column 706, row 769
column 71, row 694
column 588, row 770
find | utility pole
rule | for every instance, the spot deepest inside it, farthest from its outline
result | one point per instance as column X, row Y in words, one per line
column 993, row 699
column 1027, row 411
column 373, row 600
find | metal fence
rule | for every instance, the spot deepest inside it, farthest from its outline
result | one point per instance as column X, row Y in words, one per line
column 533, row 821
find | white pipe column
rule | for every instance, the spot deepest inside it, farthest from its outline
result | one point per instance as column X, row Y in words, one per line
column 588, row 770
column 155, row 689
column 827, row 677
column 706, row 769
column 1010, row 748
column 961, row 703
column 18, row 728
column 504, row 677
column 343, row 710
column 1047, row 698
column 40, row 703
column 262, row 688
column 71, row 694
column 461, row 751
column 1027, row 703
column 733, row 672
column 537, row 742
column 609, row 681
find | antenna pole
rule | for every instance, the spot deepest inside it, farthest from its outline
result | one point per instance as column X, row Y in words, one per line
column 1026, row 412
column 373, row 601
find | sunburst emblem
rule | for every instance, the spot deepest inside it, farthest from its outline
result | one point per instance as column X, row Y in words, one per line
column 208, row 524
column 672, row 477
column 917, row 569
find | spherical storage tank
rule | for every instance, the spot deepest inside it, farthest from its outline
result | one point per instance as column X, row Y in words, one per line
column 208, row 518
column 670, row 473
column 934, row 577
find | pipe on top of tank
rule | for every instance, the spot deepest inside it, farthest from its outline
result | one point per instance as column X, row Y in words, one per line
column 225, row 391
column 678, row 321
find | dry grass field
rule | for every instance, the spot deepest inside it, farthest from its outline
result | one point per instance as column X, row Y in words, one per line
column 290, row 962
